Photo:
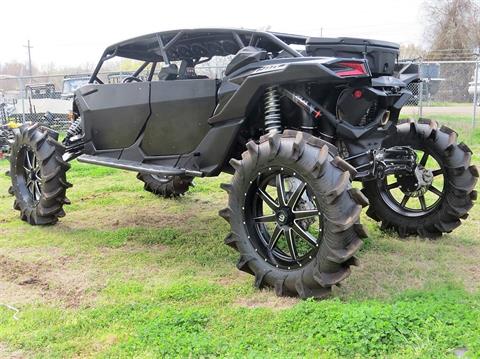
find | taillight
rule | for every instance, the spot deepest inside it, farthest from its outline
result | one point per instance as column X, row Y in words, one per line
column 350, row 68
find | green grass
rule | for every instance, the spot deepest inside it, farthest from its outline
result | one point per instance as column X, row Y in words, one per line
column 126, row 274
column 175, row 321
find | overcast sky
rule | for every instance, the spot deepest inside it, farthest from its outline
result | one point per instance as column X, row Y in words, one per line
column 75, row 32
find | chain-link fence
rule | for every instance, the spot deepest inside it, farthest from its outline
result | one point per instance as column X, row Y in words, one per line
column 46, row 99
column 447, row 92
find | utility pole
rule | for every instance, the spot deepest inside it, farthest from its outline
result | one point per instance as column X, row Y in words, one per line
column 475, row 88
column 420, row 92
column 29, row 57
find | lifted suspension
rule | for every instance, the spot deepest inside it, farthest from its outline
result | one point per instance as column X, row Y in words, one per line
column 380, row 162
column 313, row 108
column 386, row 161
column 273, row 121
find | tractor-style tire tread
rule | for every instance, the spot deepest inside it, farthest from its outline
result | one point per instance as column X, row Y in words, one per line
column 49, row 208
column 330, row 180
column 460, row 177
column 174, row 188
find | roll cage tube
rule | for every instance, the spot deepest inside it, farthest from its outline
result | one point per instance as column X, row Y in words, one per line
column 275, row 40
column 161, row 51
column 105, row 56
column 138, row 72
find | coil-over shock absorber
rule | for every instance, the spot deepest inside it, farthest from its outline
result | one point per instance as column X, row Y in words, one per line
column 74, row 130
column 273, row 122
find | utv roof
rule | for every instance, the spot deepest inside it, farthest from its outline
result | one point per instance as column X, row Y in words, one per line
column 197, row 43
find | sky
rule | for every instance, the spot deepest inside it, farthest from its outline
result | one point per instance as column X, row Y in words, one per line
column 70, row 33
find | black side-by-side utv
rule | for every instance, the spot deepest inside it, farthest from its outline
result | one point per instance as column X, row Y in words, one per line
column 295, row 119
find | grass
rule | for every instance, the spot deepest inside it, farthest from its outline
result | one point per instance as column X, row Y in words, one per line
column 126, row 274
column 447, row 104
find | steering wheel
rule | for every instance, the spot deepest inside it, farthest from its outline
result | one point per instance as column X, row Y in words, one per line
column 131, row 78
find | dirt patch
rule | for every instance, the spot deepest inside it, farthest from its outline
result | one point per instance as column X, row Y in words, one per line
column 132, row 248
column 382, row 274
column 72, row 288
column 7, row 219
column 466, row 266
column 233, row 279
column 473, row 275
column 114, row 217
column 266, row 299
column 13, row 294
column 6, row 353
column 51, row 281
column 19, row 272
column 35, row 254
column 93, row 196
column 148, row 218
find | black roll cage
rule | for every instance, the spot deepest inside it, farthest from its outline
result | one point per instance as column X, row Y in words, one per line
column 154, row 48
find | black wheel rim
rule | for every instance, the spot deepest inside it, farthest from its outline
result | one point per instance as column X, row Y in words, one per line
column 28, row 175
column 396, row 190
column 282, row 217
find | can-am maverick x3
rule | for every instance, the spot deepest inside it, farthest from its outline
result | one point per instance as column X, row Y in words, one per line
column 295, row 119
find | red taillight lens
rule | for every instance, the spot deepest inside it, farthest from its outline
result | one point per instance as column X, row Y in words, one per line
column 347, row 69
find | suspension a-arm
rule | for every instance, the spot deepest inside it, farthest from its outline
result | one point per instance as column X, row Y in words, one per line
column 385, row 161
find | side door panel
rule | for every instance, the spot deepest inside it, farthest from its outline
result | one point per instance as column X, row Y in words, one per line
column 180, row 113
column 114, row 114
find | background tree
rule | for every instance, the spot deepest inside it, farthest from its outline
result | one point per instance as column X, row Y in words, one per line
column 453, row 33
column 411, row 51
column 452, row 24
column 13, row 68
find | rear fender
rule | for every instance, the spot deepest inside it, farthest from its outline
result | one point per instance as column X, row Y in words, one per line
column 255, row 81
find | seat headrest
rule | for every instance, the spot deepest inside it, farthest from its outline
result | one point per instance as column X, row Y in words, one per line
column 168, row 72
